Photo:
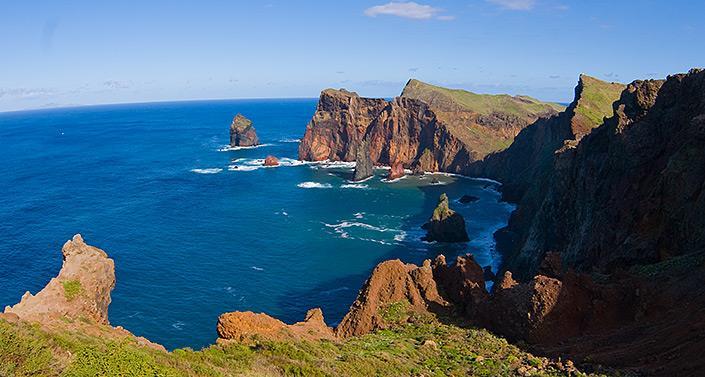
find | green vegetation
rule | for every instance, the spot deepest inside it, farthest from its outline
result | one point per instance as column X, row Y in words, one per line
column 675, row 266
column 485, row 104
column 596, row 100
column 426, row 348
column 72, row 288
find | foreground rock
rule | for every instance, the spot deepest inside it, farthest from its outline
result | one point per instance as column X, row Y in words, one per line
column 242, row 133
column 249, row 326
column 363, row 167
column 81, row 290
column 445, row 225
column 271, row 161
column 78, row 298
column 392, row 291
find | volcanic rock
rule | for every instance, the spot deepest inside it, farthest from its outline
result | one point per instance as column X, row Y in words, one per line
column 396, row 172
column 242, row 133
column 392, row 286
column 271, row 161
column 445, row 225
column 363, row 166
column 81, row 290
column 249, row 326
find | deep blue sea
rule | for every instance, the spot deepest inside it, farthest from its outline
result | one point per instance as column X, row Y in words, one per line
column 191, row 236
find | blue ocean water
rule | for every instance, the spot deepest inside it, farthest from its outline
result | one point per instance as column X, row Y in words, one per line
column 193, row 237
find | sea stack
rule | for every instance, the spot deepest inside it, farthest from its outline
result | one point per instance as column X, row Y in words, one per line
column 396, row 172
column 363, row 166
column 445, row 225
column 271, row 161
column 242, row 133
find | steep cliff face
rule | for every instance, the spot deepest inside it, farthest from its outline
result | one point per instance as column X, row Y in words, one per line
column 445, row 135
column 631, row 192
column 338, row 125
column 530, row 157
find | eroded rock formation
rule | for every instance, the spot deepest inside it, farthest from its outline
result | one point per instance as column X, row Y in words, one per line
column 396, row 171
column 81, row 290
column 445, row 225
column 443, row 136
column 249, row 326
column 242, row 133
column 271, row 161
column 363, row 165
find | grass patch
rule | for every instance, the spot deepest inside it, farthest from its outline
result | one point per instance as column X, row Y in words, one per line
column 72, row 289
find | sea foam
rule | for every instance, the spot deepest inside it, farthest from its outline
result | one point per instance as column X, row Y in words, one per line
column 314, row 185
column 207, row 171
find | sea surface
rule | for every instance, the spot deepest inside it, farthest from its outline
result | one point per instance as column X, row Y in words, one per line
column 155, row 186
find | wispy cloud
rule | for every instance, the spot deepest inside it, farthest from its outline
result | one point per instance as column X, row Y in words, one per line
column 515, row 4
column 114, row 84
column 409, row 9
column 25, row 93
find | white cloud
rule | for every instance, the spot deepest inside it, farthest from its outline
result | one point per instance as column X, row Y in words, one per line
column 515, row 4
column 406, row 10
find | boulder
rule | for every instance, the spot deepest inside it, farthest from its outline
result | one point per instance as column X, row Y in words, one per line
column 271, row 161
column 242, row 133
column 396, row 172
column 445, row 225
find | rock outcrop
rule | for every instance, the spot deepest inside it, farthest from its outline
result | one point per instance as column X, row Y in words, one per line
column 338, row 126
column 271, row 161
column 248, row 326
column 445, row 225
column 444, row 136
column 81, row 290
column 396, row 171
column 242, row 133
column 393, row 290
column 363, row 166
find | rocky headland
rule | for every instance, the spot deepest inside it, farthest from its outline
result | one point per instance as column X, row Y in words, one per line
column 242, row 132
column 426, row 129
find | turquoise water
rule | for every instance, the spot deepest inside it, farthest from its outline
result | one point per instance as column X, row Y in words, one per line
column 153, row 186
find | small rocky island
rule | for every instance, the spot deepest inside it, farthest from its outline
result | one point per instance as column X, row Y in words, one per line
column 445, row 224
column 242, row 133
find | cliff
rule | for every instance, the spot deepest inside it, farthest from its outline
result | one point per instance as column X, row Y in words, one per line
column 630, row 192
column 425, row 129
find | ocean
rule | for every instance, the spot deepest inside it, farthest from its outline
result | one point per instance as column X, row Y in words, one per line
column 155, row 186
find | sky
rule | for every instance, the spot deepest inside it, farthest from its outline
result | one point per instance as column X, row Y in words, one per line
column 71, row 53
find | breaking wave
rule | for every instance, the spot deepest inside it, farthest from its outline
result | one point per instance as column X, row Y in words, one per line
column 314, row 185
column 207, row 171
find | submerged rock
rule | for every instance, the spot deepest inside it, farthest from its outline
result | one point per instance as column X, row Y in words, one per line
column 271, row 161
column 445, row 225
column 363, row 167
column 242, row 133
column 397, row 171
column 465, row 199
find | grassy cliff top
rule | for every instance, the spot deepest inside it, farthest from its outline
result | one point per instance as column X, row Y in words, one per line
column 424, row 349
column 594, row 99
column 485, row 104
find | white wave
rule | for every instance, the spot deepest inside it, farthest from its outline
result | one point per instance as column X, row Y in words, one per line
column 400, row 237
column 228, row 148
column 327, row 164
column 257, row 268
column 314, row 185
column 250, row 164
column 289, row 140
column 360, row 181
column 178, row 325
column 395, row 180
column 207, row 171
column 350, row 224
column 359, row 215
column 355, row 185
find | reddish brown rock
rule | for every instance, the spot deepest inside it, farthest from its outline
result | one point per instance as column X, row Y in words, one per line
column 392, row 283
column 338, row 126
column 463, row 282
column 271, row 161
column 396, row 171
column 81, row 290
column 242, row 133
column 249, row 326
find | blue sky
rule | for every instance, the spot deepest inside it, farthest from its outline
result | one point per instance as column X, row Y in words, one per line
column 63, row 53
